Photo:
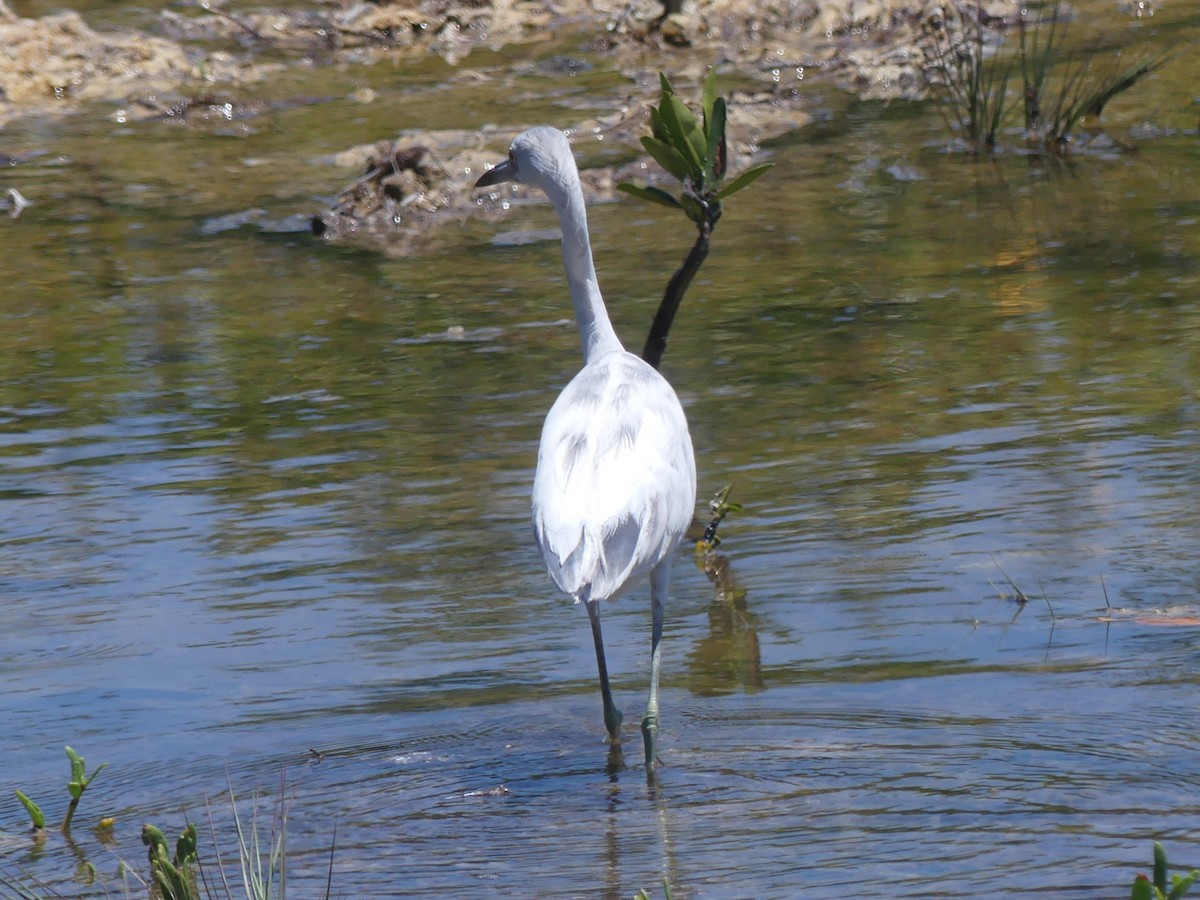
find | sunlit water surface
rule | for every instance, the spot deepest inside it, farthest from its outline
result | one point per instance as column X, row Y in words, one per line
column 265, row 519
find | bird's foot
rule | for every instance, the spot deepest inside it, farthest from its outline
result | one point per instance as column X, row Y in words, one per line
column 616, row 760
column 612, row 721
column 650, row 738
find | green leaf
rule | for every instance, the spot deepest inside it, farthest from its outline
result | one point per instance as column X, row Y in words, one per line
column 185, row 847
column 667, row 157
column 77, row 765
column 669, row 108
column 648, row 192
column 36, row 817
column 686, row 135
column 1181, row 884
column 1160, row 867
column 743, row 180
column 1141, row 889
column 716, row 156
column 708, row 97
column 667, row 90
column 153, row 838
column 173, row 877
column 657, row 127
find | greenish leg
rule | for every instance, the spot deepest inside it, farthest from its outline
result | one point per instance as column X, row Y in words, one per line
column 660, row 582
column 612, row 715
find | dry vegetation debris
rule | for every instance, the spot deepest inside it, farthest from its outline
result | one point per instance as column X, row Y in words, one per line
column 58, row 59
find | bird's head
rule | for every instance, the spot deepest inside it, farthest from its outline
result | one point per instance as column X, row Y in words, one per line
column 540, row 157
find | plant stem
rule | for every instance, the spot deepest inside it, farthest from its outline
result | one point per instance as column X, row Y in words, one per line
column 71, row 807
column 656, row 341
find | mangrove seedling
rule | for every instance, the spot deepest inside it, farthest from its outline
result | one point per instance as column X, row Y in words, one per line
column 694, row 152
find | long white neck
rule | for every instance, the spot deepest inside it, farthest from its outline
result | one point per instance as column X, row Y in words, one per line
column 595, row 330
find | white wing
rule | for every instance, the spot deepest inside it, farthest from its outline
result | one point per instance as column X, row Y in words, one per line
column 616, row 478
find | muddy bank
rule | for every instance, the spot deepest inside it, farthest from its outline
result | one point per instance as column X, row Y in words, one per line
column 208, row 57
column 870, row 46
column 53, row 63
column 410, row 185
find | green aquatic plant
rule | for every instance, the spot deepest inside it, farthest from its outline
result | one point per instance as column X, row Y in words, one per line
column 76, row 786
column 643, row 895
column 173, row 875
column 1054, row 108
column 972, row 90
column 37, row 818
column 1159, row 889
column 262, row 882
column 694, row 151
column 178, row 874
column 1060, row 88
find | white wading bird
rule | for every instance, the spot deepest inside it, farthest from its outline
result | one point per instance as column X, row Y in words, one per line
column 616, row 477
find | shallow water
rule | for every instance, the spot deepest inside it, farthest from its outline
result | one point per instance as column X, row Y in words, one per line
column 265, row 515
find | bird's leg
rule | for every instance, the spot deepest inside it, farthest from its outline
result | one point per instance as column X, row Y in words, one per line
column 612, row 715
column 660, row 581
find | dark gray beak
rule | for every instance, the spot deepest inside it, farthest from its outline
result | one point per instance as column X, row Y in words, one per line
column 506, row 171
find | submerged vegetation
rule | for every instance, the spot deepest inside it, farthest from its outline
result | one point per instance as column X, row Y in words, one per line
column 1060, row 89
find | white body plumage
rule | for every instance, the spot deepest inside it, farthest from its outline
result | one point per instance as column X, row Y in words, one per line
column 615, row 486
column 616, row 478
